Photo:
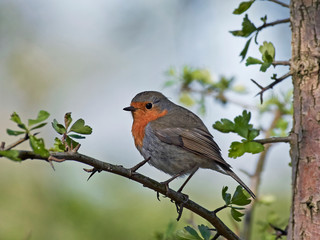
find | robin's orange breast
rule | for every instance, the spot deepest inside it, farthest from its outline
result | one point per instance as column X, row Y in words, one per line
column 141, row 117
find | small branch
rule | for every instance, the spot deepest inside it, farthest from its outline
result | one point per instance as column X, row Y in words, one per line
column 21, row 140
column 178, row 198
column 265, row 25
column 271, row 85
column 220, row 208
column 280, row 3
column 282, row 63
column 274, row 140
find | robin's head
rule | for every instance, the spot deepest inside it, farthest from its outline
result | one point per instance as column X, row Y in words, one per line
column 149, row 105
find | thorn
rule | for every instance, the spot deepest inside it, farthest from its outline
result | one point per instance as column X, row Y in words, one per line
column 92, row 171
column 158, row 196
column 76, row 148
column 50, row 162
column 256, row 84
column 216, row 236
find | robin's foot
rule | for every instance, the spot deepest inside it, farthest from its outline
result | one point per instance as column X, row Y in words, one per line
column 179, row 206
column 92, row 171
column 139, row 165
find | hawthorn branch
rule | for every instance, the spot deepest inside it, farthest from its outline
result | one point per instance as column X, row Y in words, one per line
column 21, row 140
column 270, row 24
column 282, row 63
column 271, row 85
column 274, row 140
column 178, row 198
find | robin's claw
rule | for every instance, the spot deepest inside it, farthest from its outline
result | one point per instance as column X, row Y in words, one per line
column 179, row 206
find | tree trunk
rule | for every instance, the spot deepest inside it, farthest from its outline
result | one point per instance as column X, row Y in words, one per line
column 305, row 146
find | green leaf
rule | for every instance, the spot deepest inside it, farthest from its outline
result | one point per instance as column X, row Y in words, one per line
column 236, row 215
column 71, row 143
column 67, row 120
column 247, row 28
column 204, row 231
column 224, row 125
column 186, row 99
column 58, row 146
column 252, row 61
column 243, row 53
column 15, row 118
column 236, row 149
column 253, row 147
column 253, row 133
column 76, row 136
column 244, row 6
column 59, row 128
column 14, row 133
column 170, row 83
column 239, row 197
column 79, row 127
column 42, row 116
column 11, row 154
column 192, row 232
column 268, row 54
column 242, row 125
column 226, row 196
column 38, row 126
column 37, row 145
column 264, row 66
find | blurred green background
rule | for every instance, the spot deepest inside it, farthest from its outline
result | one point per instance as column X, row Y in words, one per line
column 90, row 58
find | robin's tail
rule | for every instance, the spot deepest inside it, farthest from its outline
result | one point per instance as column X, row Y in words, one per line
column 235, row 177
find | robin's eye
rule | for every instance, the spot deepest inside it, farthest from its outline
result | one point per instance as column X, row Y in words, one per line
column 149, row 105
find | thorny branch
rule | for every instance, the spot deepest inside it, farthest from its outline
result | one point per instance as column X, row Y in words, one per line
column 21, row 140
column 178, row 198
column 287, row 20
column 274, row 140
column 283, row 63
column 271, row 85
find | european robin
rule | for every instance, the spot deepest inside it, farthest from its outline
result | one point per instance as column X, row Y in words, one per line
column 174, row 139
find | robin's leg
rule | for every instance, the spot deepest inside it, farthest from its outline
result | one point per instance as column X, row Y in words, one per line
column 189, row 177
column 139, row 165
column 178, row 175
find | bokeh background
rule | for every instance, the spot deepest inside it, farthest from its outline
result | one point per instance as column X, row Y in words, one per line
column 90, row 58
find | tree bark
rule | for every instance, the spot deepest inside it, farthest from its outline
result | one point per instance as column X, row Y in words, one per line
column 305, row 146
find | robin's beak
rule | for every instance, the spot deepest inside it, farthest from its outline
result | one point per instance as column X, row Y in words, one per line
column 131, row 109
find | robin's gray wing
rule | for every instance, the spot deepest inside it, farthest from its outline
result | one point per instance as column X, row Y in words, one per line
column 194, row 140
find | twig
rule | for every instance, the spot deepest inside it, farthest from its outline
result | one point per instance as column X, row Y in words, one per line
column 220, row 208
column 274, row 140
column 280, row 3
column 283, row 63
column 271, row 85
column 21, row 140
column 211, row 217
column 265, row 25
